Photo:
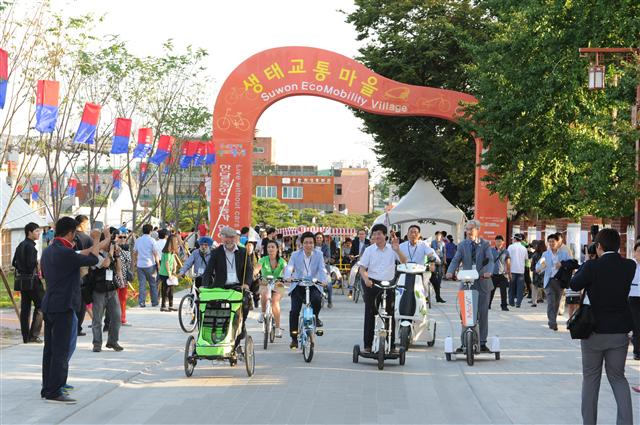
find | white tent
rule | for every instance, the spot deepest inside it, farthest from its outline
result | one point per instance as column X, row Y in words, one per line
column 117, row 211
column 425, row 206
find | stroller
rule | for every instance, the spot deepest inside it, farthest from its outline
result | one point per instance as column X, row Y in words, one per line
column 219, row 325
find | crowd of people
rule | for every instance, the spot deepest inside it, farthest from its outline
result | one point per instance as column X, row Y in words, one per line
column 93, row 270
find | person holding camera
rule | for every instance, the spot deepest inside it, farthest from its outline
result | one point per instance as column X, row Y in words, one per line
column 104, row 297
column 25, row 262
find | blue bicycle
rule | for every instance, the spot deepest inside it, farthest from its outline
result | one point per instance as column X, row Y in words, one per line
column 307, row 328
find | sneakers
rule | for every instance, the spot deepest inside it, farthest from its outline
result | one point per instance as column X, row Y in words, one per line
column 260, row 318
column 278, row 332
column 505, row 308
column 115, row 347
column 163, row 308
column 142, row 305
column 484, row 349
column 62, row 399
column 35, row 339
column 553, row 327
column 294, row 344
column 67, row 388
column 440, row 300
column 319, row 322
column 330, row 305
column 97, row 348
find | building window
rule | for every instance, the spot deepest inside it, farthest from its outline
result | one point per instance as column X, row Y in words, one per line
column 338, row 189
column 291, row 192
column 266, row 191
column 258, row 149
column 342, row 207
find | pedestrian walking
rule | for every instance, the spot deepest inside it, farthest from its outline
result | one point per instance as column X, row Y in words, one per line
column 146, row 258
column 550, row 263
column 438, row 247
column 27, row 281
column 61, row 268
column 537, row 283
column 607, row 282
column 167, row 273
column 501, row 272
column 82, row 241
column 124, row 278
column 518, row 255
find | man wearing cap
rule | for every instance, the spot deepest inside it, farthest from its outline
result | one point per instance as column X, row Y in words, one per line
column 229, row 265
column 198, row 259
column 518, row 255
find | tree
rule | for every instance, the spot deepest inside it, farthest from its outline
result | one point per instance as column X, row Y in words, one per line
column 556, row 149
column 426, row 44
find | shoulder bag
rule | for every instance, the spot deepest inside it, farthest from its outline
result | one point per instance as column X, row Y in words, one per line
column 582, row 322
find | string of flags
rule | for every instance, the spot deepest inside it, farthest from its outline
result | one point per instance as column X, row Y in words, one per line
column 4, row 76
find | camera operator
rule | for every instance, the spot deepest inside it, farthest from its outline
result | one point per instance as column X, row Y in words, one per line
column 104, row 296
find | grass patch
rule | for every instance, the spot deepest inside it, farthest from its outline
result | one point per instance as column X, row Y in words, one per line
column 5, row 301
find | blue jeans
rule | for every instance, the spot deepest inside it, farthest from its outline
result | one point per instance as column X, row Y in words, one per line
column 148, row 274
column 516, row 288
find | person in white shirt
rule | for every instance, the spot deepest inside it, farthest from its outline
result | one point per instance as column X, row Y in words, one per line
column 145, row 256
column 417, row 251
column 518, row 255
column 634, row 303
column 162, row 240
column 378, row 263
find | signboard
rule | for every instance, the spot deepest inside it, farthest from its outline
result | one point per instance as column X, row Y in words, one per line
column 275, row 74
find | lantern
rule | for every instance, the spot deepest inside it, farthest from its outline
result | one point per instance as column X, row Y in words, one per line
column 596, row 77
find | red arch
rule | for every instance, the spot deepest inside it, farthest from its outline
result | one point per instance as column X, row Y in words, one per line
column 278, row 73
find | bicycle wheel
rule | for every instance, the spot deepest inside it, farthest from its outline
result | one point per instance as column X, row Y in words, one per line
column 307, row 346
column 468, row 340
column 380, row 353
column 272, row 331
column 433, row 340
column 356, row 290
column 267, row 328
column 189, row 356
column 187, row 314
column 249, row 356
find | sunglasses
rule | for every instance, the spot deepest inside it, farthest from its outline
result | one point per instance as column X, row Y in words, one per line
column 122, row 237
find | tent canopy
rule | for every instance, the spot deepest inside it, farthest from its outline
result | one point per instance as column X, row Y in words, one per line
column 20, row 213
column 424, row 203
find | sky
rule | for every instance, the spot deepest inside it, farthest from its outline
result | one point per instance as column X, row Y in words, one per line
column 305, row 130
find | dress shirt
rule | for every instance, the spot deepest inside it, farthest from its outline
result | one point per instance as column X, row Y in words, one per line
column 500, row 258
column 147, row 252
column 198, row 261
column 635, row 285
column 302, row 266
column 550, row 261
column 417, row 253
column 232, row 276
column 518, row 254
column 380, row 263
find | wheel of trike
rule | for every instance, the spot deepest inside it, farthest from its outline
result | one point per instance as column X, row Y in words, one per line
column 308, row 346
column 233, row 361
column 448, row 356
column 433, row 340
column 468, row 340
column 497, row 355
column 249, row 356
column 380, row 353
column 403, row 356
column 356, row 353
column 405, row 337
column 189, row 356
column 187, row 313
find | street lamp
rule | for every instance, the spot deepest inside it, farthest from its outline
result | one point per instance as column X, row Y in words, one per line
column 596, row 82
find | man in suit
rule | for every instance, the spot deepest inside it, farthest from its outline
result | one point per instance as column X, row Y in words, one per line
column 607, row 281
column 358, row 245
column 475, row 253
column 230, row 265
column 60, row 265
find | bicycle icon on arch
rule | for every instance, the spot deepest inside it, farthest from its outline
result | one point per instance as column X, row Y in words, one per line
column 235, row 120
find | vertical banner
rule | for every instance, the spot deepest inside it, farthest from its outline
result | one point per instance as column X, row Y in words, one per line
column 189, row 149
column 121, row 136
column 167, row 164
column 143, row 170
column 145, row 139
column 4, row 76
column 88, row 124
column 165, row 144
column 201, row 152
column 211, row 153
column 490, row 210
column 47, row 98
column 72, row 187
column 233, row 164
column 117, row 180
column 35, row 191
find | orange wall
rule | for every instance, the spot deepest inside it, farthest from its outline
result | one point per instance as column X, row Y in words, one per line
column 355, row 190
column 315, row 189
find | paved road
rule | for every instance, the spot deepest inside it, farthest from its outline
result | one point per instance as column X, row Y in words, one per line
column 537, row 381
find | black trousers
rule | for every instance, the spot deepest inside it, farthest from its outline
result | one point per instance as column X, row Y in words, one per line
column 81, row 313
column 298, row 298
column 372, row 299
column 436, row 280
column 499, row 281
column 527, row 281
column 634, row 305
column 28, row 297
column 55, row 355
column 166, row 290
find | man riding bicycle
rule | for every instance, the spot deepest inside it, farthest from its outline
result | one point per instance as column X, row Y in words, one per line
column 198, row 260
column 271, row 265
column 306, row 263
